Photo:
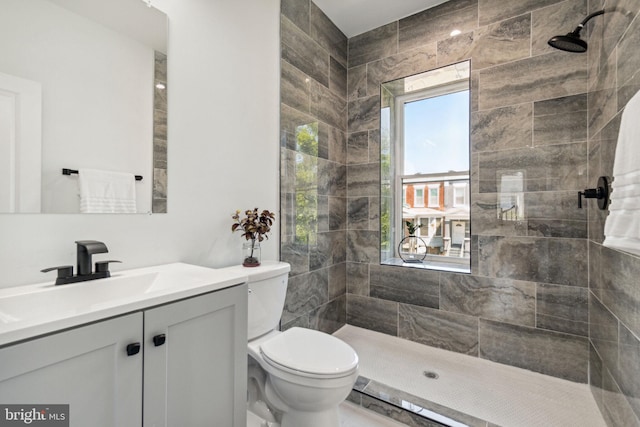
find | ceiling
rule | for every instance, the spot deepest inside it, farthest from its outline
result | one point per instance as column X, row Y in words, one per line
column 355, row 17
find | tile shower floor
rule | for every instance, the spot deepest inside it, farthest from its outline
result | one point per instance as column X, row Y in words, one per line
column 501, row 394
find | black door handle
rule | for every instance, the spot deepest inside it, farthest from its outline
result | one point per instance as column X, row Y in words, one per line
column 133, row 348
column 160, row 339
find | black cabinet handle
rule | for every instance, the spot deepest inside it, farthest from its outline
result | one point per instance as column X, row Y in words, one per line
column 133, row 348
column 158, row 340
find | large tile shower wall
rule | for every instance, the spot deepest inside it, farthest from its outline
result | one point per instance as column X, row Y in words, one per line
column 313, row 124
column 614, row 297
column 526, row 302
column 544, row 294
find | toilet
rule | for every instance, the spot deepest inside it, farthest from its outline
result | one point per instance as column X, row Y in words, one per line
column 297, row 377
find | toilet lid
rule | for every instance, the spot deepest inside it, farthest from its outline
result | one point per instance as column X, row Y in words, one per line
column 310, row 351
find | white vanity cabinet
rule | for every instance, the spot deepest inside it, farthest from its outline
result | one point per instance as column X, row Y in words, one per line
column 190, row 369
column 87, row 368
column 198, row 376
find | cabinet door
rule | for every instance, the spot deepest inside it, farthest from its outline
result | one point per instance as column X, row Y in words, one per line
column 198, row 376
column 87, row 368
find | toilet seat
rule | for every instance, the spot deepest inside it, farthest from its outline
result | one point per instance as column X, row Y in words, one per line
column 310, row 353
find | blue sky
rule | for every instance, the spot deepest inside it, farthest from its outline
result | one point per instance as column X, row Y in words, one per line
column 437, row 134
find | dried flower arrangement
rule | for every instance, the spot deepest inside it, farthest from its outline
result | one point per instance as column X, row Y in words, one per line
column 255, row 227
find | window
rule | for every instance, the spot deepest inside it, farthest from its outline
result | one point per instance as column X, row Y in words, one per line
column 418, row 201
column 436, row 223
column 434, row 195
column 460, row 194
column 425, row 155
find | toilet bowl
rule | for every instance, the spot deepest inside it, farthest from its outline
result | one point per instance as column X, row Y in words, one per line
column 309, row 373
column 297, row 377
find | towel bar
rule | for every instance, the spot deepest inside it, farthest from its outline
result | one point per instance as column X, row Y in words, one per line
column 66, row 171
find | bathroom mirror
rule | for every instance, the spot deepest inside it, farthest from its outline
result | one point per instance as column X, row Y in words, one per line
column 425, row 186
column 82, row 85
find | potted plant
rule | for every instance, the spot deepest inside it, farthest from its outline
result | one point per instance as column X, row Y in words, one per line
column 409, row 246
column 411, row 227
column 255, row 227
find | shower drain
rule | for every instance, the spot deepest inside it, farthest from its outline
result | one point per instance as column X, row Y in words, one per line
column 431, row 375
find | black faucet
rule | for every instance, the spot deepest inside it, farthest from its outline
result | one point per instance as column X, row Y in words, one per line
column 85, row 249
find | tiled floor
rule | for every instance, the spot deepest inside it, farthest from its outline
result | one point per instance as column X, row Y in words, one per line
column 352, row 415
column 503, row 395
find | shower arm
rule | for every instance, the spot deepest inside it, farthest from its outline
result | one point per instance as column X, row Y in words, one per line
column 585, row 20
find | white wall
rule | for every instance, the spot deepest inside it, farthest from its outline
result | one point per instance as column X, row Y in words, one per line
column 223, row 82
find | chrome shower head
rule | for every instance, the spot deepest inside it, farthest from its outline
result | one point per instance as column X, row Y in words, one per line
column 572, row 41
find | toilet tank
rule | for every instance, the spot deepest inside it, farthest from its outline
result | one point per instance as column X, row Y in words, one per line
column 267, row 291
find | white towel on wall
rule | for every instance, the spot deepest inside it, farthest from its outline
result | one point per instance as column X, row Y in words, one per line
column 622, row 227
column 106, row 192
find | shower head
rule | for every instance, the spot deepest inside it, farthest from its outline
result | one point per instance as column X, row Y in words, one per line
column 569, row 43
column 572, row 41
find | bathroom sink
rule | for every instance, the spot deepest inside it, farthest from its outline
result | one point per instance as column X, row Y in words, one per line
column 28, row 311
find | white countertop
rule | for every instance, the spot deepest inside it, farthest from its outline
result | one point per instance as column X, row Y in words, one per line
column 33, row 310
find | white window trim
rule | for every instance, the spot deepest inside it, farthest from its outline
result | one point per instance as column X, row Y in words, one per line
column 399, row 178
column 457, row 188
column 430, row 201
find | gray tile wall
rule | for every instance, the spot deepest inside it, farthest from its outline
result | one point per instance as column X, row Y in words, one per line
column 614, row 276
column 543, row 293
column 313, row 174
column 159, row 197
column 526, row 301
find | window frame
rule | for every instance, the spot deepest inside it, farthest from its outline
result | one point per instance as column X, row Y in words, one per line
column 400, row 178
column 433, row 200
column 460, row 187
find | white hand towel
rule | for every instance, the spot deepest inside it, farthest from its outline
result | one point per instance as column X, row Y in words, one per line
column 622, row 227
column 106, row 192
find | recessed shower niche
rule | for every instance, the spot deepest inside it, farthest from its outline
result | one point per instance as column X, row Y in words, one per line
column 425, row 170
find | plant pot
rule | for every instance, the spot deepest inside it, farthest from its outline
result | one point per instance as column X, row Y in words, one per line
column 251, row 253
column 412, row 249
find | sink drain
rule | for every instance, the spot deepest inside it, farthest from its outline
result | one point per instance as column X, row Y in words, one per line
column 431, row 375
